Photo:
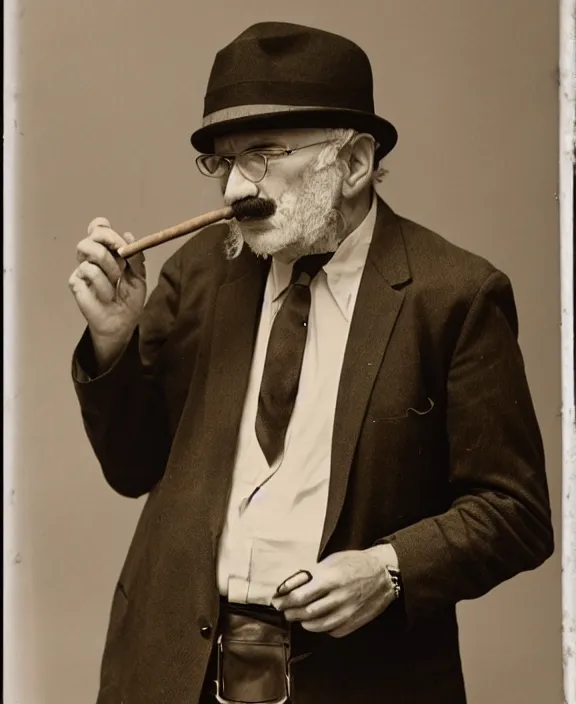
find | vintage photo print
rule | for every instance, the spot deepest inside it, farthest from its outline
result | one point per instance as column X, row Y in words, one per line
column 289, row 362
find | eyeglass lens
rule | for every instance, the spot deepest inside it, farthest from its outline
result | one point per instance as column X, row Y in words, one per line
column 251, row 165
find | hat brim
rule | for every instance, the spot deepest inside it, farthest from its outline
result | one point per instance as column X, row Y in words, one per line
column 382, row 130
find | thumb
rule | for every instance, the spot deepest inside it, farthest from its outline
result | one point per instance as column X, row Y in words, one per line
column 97, row 222
column 137, row 265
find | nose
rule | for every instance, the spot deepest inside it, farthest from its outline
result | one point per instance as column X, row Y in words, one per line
column 237, row 187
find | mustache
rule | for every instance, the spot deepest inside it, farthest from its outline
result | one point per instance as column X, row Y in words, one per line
column 253, row 207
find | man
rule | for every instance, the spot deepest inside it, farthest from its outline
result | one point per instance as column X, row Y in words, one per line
column 327, row 408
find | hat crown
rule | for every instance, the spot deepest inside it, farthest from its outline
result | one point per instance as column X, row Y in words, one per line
column 283, row 63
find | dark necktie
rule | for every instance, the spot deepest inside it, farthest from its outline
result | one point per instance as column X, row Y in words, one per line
column 284, row 358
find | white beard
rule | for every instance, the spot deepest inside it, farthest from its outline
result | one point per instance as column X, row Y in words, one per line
column 307, row 220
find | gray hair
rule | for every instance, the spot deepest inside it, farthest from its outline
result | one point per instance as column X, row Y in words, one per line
column 342, row 136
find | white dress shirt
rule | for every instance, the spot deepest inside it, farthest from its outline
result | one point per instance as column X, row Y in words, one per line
column 276, row 514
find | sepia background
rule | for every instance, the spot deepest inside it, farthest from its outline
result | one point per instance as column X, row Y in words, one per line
column 108, row 94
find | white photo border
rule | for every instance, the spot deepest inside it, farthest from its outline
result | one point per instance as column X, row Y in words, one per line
column 567, row 158
column 567, row 144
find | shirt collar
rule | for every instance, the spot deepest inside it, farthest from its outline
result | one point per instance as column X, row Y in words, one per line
column 343, row 271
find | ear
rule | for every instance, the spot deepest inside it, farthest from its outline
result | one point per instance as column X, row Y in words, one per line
column 359, row 165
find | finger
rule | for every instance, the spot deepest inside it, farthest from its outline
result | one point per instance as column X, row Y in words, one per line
column 98, row 254
column 97, row 222
column 317, row 609
column 344, row 630
column 100, row 250
column 128, row 238
column 108, row 237
column 329, row 623
column 350, row 624
column 357, row 617
column 81, row 291
column 99, row 283
column 304, row 595
column 299, row 579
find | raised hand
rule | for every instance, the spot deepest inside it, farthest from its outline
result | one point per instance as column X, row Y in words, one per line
column 110, row 291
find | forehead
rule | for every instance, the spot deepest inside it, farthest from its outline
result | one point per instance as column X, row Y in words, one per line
column 239, row 141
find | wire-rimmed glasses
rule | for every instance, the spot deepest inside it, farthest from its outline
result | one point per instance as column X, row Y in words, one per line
column 252, row 163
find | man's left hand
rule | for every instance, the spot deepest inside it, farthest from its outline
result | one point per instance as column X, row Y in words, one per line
column 347, row 590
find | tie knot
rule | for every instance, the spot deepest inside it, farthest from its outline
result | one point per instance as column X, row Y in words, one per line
column 306, row 268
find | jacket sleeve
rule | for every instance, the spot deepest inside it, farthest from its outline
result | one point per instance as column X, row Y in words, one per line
column 499, row 521
column 123, row 410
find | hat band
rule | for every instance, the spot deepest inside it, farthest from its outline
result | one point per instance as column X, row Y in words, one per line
column 238, row 111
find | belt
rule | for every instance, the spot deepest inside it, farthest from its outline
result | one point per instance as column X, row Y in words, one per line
column 268, row 614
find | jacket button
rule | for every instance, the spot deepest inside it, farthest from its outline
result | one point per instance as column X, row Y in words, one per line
column 205, row 630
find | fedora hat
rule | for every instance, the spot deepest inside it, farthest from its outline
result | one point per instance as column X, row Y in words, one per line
column 280, row 75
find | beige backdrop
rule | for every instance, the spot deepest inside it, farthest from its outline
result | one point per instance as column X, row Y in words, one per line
column 108, row 94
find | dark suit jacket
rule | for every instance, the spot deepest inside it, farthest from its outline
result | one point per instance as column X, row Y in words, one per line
column 436, row 448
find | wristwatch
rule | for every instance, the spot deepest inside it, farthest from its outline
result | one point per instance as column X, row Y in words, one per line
column 396, row 578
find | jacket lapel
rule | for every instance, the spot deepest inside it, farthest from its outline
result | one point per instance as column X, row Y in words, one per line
column 379, row 300
column 236, row 318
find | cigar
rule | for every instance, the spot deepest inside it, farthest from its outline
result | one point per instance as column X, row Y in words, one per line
column 251, row 208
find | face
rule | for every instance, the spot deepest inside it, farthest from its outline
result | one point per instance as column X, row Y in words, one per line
column 305, row 186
